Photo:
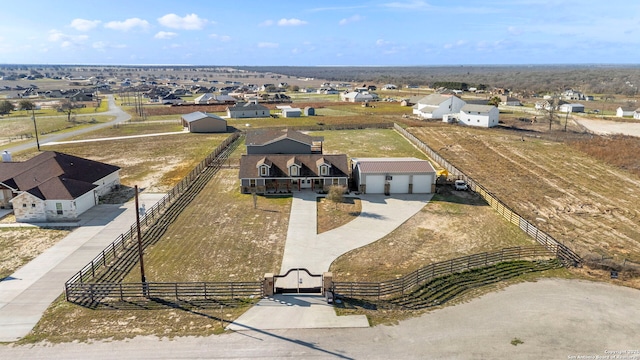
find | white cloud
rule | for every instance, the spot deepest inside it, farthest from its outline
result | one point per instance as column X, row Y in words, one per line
column 102, row 46
column 291, row 22
column 456, row 44
column 268, row 45
column 411, row 5
column 84, row 25
column 223, row 38
column 66, row 40
column 514, row 30
column 382, row 42
column 266, row 23
column 165, row 35
column 127, row 24
column 351, row 19
column 188, row 22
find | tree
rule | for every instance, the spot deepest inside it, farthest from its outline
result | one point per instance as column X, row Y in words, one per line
column 6, row 107
column 67, row 107
column 495, row 101
column 336, row 194
column 550, row 112
column 25, row 104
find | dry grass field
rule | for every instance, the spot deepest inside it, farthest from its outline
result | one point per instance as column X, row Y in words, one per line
column 18, row 246
column 588, row 203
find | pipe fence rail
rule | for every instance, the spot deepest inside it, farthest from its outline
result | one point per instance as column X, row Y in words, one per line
column 566, row 255
column 127, row 241
column 179, row 291
column 409, row 282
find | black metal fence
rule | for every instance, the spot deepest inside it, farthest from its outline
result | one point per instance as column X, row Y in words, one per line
column 409, row 282
column 566, row 255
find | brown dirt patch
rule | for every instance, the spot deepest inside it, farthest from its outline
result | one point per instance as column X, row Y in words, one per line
column 18, row 246
column 333, row 215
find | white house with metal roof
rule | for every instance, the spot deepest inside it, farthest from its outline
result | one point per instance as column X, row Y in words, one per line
column 393, row 175
column 248, row 110
column 479, row 115
column 437, row 106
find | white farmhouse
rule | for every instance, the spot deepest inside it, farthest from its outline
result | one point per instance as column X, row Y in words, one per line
column 359, row 96
column 479, row 115
column 436, row 106
column 624, row 111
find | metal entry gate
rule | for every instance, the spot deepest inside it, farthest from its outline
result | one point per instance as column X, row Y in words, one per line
column 299, row 281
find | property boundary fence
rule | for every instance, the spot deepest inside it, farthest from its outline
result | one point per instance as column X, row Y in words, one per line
column 566, row 255
column 92, row 293
column 407, row 283
column 124, row 243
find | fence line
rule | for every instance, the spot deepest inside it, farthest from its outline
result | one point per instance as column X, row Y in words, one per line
column 566, row 255
column 127, row 240
column 100, row 292
column 410, row 281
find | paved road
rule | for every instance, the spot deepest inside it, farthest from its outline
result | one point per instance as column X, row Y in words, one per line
column 114, row 110
column 554, row 319
column 27, row 293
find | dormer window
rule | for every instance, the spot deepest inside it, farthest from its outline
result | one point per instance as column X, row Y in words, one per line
column 294, row 165
column 264, row 170
column 324, row 170
column 323, row 167
column 264, row 165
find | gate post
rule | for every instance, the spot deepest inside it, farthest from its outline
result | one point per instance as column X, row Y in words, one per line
column 267, row 284
column 327, row 282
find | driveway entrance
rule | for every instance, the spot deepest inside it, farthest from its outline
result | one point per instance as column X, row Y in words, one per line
column 298, row 281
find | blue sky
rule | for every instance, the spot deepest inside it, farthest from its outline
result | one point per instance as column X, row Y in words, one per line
column 386, row 32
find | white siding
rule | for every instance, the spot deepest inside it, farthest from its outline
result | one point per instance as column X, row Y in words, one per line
column 422, row 184
column 375, row 183
column 399, row 184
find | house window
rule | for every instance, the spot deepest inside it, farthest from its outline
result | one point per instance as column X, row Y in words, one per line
column 335, row 181
column 324, row 170
column 264, row 170
column 252, row 182
column 24, row 205
column 293, row 171
column 59, row 208
column 33, row 205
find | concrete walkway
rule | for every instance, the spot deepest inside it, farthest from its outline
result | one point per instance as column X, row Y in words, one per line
column 305, row 248
column 27, row 293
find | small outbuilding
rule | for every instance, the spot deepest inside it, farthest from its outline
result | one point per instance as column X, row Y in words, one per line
column 393, row 175
column 571, row 108
column 200, row 122
column 290, row 112
column 309, row 111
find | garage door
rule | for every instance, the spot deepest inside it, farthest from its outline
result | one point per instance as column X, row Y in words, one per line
column 422, row 184
column 399, row 184
column 375, row 184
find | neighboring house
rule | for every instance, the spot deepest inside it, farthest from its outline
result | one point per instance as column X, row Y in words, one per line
column 53, row 186
column 203, row 99
column 247, row 110
column 285, row 173
column 436, row 106
column 571, row 108
column 393, row 175
column 624, row 111
column 171, row 99
column 411, row 101
column 571, row 94
column 509, row 101
column 636, row 114
column 200, row 122
column 389, row 87
column 359, row 96
column 282, row 141
column 209, row 98
column 479, row 115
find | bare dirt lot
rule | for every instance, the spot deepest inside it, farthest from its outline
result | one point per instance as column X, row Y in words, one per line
column 589, row 204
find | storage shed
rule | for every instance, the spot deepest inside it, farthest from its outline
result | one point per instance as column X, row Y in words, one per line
column 200, row 122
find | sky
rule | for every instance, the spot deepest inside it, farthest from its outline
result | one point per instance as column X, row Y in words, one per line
column 313, row 33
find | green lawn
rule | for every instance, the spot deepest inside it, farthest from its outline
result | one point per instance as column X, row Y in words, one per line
column 368, row 143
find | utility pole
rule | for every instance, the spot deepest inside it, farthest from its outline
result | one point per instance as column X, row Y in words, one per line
column 143, row 278
column 33, row 117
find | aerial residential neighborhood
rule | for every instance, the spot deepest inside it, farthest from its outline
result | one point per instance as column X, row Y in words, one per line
column 362, row 180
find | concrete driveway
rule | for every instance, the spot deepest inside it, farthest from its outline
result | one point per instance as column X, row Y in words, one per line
column 28, row 292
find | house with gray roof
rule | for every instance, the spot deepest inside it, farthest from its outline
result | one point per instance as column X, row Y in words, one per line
column 624, row 111
column 201, row 122
column 248, row 110
column 282, row 141
column 393, row 175
column 54, row 186
column 479, row 115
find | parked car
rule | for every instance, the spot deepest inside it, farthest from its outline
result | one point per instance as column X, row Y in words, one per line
column 461, row 185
